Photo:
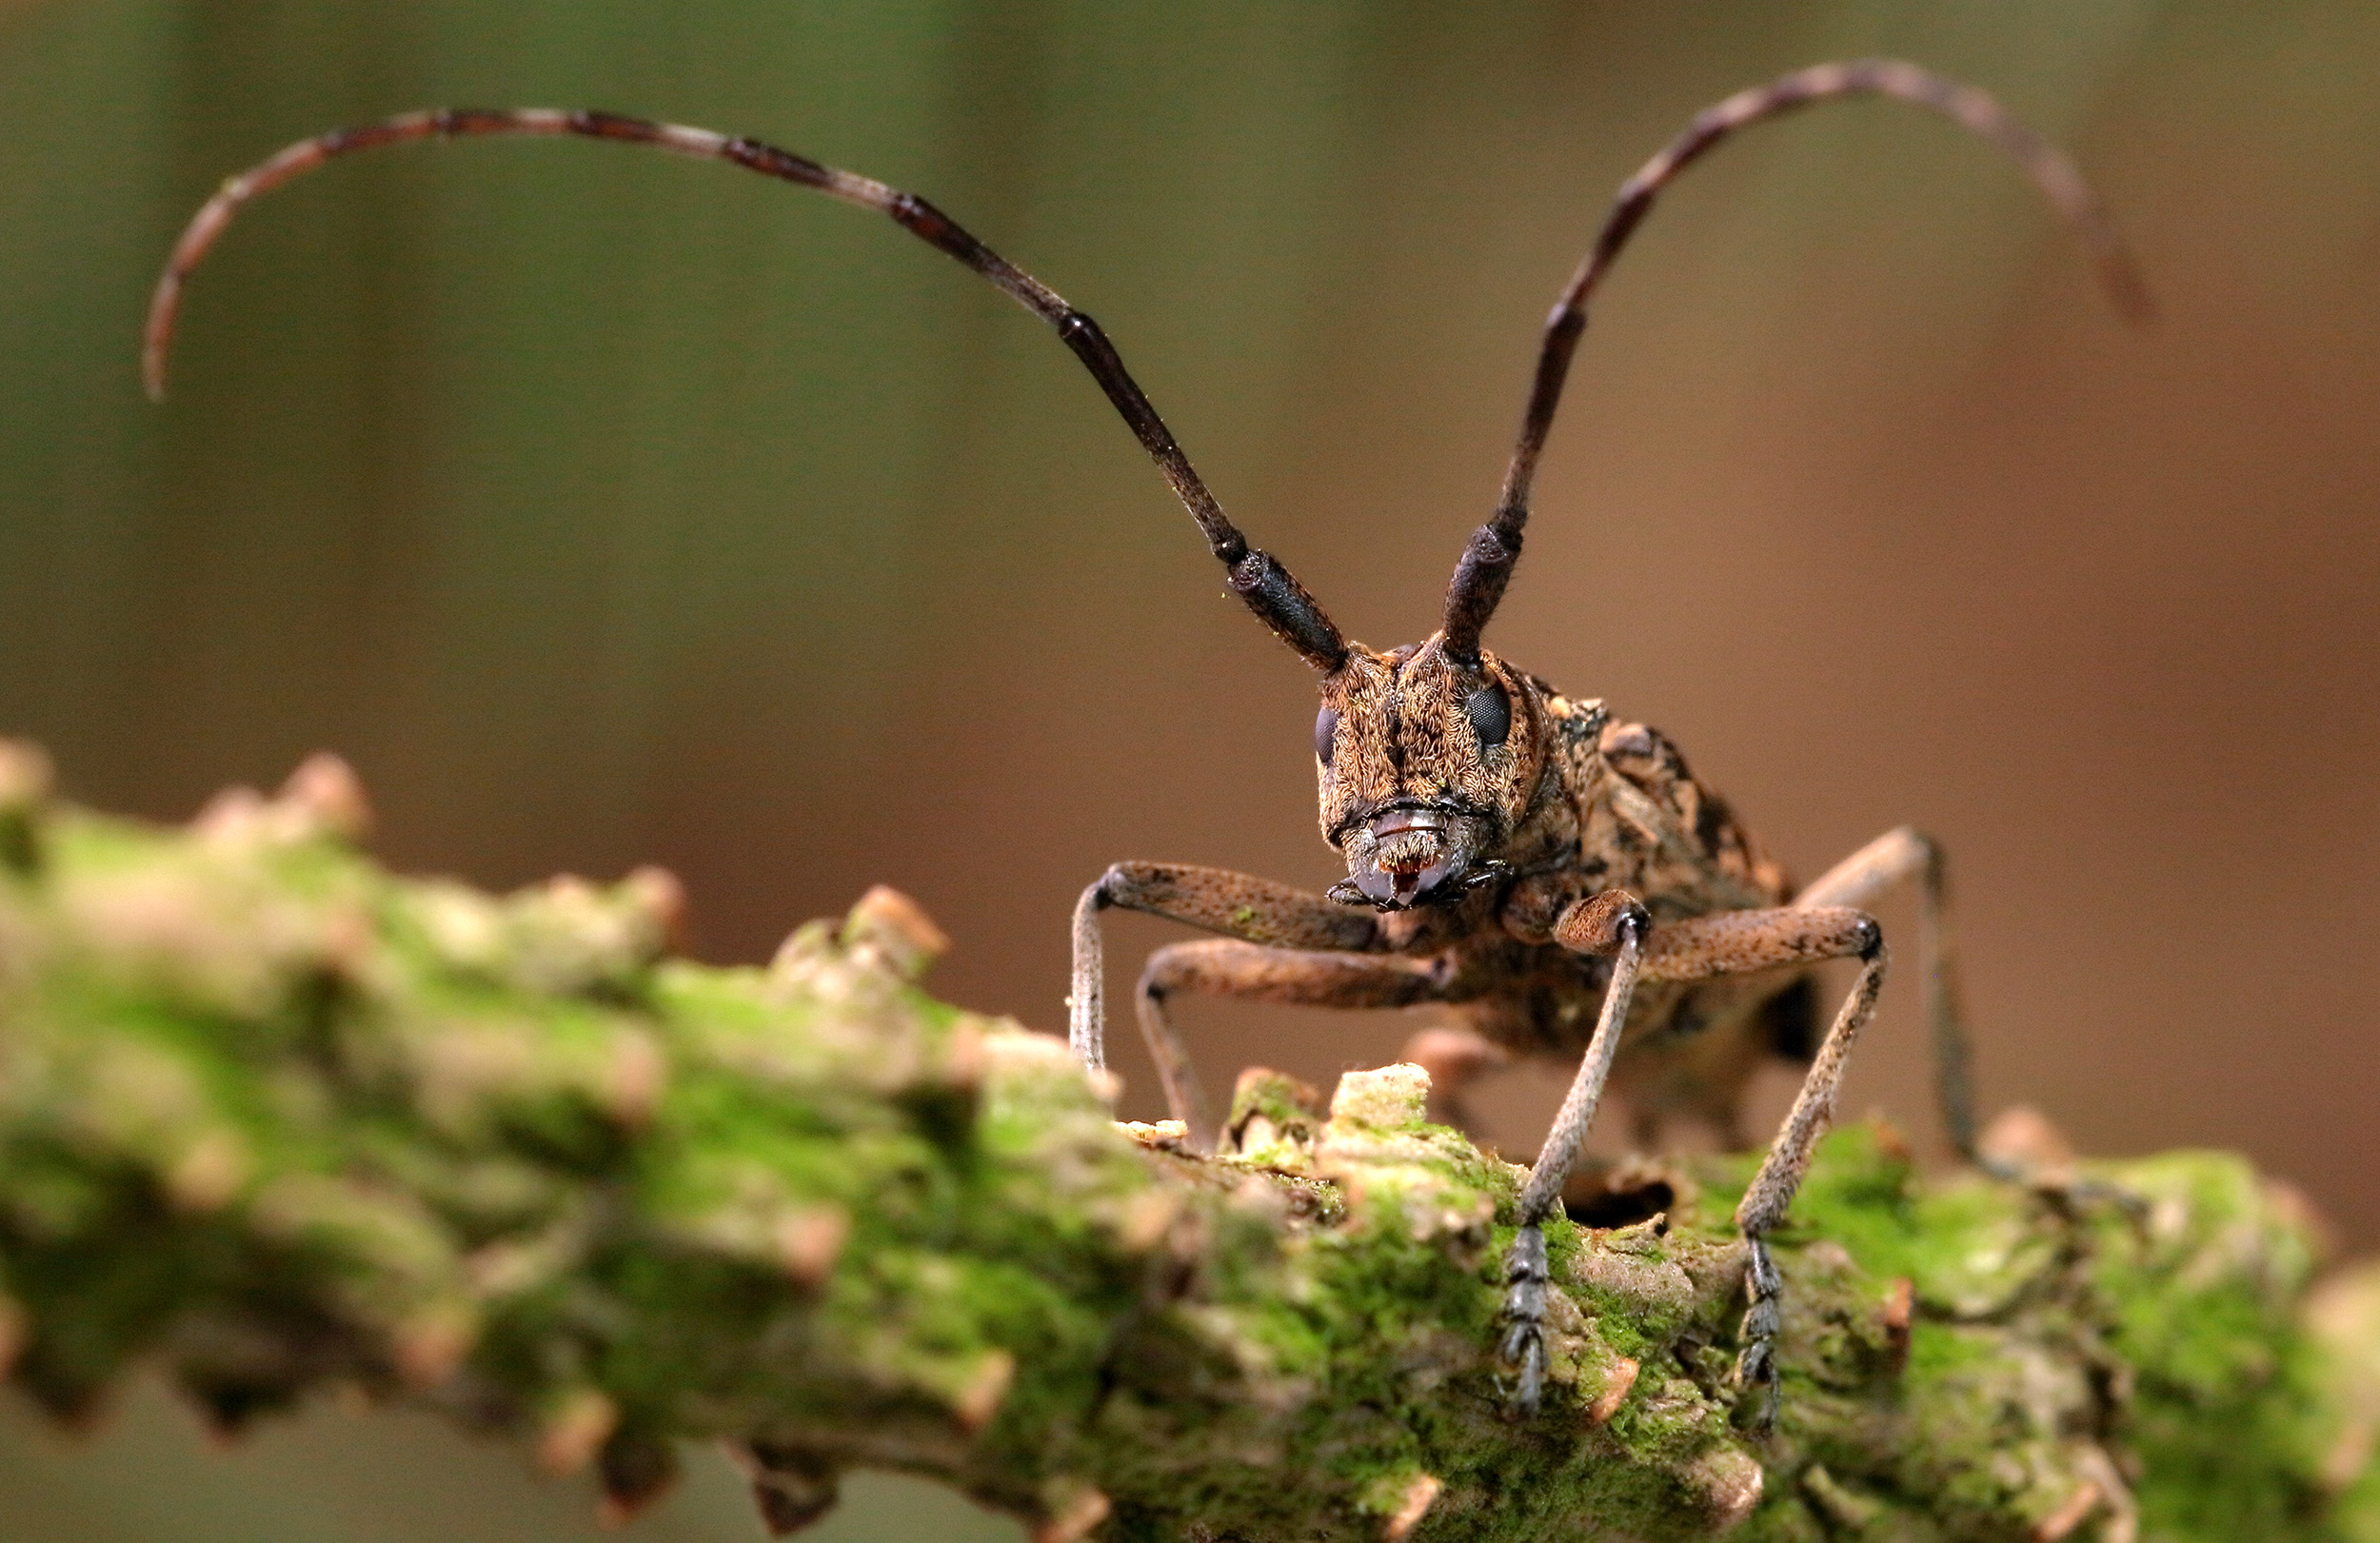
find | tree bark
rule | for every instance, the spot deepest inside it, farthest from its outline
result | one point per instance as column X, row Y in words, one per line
column 280, row 1123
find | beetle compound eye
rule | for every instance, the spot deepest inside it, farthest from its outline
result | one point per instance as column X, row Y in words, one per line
column 1490, row 714
column 1325, row 734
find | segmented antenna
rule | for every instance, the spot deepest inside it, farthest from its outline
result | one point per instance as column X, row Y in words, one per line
column 1281, row 602
column 1487, row 562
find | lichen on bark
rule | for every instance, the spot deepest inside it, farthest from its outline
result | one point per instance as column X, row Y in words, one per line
column 281, row 1124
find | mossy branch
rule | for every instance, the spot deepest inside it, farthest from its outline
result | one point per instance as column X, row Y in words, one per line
column 277, row 1122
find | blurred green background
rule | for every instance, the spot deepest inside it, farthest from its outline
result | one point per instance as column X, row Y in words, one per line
column 606, row 508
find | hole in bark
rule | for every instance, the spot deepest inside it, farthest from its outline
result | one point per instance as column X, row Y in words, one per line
column 1622, row 1206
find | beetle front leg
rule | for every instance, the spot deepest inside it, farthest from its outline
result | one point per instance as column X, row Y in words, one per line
column 1610, row 923
column 1733, row 942
column 1773, row 1188
column 1728, row 943
column 1235, row 905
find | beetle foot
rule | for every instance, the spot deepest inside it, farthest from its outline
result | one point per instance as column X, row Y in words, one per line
column 1756, row 1365
column 1523, row 1345
column 2061, row 1187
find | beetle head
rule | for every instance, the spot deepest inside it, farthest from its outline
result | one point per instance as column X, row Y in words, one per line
column 1426, row 764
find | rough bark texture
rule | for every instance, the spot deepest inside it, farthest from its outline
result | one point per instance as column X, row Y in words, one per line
column 279, row 1123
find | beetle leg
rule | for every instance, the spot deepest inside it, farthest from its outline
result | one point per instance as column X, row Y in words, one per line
column 1732, row 943
column 1247, row 972
column 1727, row 942
column 1235, row 905
column 1860, row 880
column 1613, row 924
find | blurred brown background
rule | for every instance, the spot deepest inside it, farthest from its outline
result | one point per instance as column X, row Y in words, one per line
column 605, row 509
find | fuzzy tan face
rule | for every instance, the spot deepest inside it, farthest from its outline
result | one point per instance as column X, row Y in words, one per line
column 1425, row 766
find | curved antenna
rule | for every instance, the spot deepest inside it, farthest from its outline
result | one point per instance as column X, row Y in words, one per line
column 1487, row 562
column 1279, row 601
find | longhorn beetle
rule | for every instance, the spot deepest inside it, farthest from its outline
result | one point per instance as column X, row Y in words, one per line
column 1518, row 855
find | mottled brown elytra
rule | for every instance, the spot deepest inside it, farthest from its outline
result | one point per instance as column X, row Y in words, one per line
column 1552, row 874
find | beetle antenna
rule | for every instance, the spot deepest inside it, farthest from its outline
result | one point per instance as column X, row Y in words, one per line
column 1279, row 599
column 1487, row 562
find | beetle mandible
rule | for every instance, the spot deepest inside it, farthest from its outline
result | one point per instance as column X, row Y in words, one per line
column 1554, row 875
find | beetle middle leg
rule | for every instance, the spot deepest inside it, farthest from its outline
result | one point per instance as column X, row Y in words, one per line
column 1253, row 910
column 1893, row 858
column 1860, row 880
column 1250, row 972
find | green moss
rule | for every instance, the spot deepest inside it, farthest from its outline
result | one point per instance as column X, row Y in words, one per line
column 282, row 1122
column 2203, row 1291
